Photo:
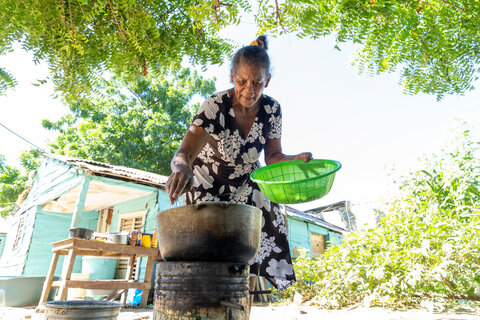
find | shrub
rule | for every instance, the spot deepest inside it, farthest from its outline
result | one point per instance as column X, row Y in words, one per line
column 425, row 253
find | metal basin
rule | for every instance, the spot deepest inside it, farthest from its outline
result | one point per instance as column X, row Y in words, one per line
column 209, row 231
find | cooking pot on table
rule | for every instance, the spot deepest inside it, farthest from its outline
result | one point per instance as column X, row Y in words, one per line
column 209, row 231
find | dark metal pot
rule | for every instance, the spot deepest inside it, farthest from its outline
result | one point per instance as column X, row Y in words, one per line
column 210, row 231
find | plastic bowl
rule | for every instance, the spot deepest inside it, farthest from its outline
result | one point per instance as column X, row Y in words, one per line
column 296, row 181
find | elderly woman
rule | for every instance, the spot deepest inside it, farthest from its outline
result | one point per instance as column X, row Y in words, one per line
column 222, row 147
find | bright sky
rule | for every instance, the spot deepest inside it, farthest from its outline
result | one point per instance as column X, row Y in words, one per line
column 364, row 122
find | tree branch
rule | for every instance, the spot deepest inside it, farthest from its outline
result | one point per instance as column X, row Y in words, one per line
column 217, row 5
column 71, row 21
column 116, row 21
column 277, row 13
column 63, row 12
column 453, row 5
column 81, row 8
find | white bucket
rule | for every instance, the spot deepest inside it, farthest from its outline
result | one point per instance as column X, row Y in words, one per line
column 77, row 293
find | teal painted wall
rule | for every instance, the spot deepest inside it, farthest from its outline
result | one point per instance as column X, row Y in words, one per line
column 3, row 238
column 299, row 234
column 144, row 203
column 334, row 239
column 51, row 227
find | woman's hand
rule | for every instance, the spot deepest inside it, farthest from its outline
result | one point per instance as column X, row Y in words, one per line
column 181, row 179
column 305, row 156
column 178, row 183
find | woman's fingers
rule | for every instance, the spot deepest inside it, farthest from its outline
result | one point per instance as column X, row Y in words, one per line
column 305, row 156
column 308, row 156
column 177, row 184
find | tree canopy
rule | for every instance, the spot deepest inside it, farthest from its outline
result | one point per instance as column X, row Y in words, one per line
column 81, row 39
column 432, row 44
column 137, row 124
column 13, row 180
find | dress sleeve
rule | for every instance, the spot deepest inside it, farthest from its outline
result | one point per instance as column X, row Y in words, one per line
column 274, row 120
column 208, row 116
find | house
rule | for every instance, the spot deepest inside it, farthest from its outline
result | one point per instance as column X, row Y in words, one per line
column 310, row 232
column 66, row 192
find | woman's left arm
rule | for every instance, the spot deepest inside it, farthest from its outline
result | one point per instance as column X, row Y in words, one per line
column 274, row 154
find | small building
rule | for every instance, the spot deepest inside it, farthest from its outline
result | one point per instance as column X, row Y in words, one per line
column 310, row 232
column 102, row 197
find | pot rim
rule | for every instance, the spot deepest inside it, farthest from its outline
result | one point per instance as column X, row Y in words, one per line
column 202, row 204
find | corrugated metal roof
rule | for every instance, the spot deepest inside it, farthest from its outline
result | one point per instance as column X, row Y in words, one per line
column 306, row 216
column 110, row 170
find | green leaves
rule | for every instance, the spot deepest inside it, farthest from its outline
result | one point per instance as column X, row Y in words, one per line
column 432, row 44
column 138, row 125
column 11, row 185
column 6, row 80
column 80, row 40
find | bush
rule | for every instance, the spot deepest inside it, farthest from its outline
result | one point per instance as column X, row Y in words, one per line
column 425, row 253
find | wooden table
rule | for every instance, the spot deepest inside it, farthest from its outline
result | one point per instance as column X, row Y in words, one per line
column 80, row 247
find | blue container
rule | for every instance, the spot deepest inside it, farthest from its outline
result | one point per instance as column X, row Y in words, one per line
column 99, row 268
column 20, row 291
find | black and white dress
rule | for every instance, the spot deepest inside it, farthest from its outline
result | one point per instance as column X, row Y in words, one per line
column 222, row 173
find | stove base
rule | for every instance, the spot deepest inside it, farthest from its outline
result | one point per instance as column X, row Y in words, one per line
column 201, row 291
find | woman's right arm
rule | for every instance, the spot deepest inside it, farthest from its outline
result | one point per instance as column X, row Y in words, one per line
column 181, row 178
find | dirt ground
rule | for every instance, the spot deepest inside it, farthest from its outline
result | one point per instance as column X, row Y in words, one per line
column 290, row 312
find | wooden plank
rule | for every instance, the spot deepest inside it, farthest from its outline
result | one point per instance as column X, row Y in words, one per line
column 82, row 252
column 102, row 284
column 47, row 285
column 128, row 276
column 77, row 243
column 66, row 273
column 147, row 280
column 80, row 203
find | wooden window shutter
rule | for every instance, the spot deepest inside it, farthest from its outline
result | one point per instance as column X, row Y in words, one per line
column 318, row 244
column 129, row 224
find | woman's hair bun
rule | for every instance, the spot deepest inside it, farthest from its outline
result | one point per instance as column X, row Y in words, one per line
column 261, row 42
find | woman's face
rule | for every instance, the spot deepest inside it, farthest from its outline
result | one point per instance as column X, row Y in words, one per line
column 249, row 81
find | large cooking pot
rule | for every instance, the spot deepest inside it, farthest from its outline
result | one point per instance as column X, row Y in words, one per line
column 209, row 231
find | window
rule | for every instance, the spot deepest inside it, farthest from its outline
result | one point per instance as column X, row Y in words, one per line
column 104, row 220
column 318, row 244
column 130, row 222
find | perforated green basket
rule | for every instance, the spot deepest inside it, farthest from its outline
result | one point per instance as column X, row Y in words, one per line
column 296, row 181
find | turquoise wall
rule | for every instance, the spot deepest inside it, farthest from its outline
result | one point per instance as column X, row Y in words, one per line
column 3, row 237
column 51, row 227
column 151, row 225
column 150, row 204
column 299, row 234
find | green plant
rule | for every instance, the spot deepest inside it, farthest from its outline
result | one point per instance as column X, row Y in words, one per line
column 425, row 253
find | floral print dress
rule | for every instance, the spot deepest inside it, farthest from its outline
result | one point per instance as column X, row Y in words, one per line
column 222, row 173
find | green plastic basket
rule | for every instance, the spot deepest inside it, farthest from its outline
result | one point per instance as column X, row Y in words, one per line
column 296, row 181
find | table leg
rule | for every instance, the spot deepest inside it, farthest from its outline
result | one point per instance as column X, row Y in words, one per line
column 48, row 281
column 148, row 279
column 66, row 273
column 129, row 274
